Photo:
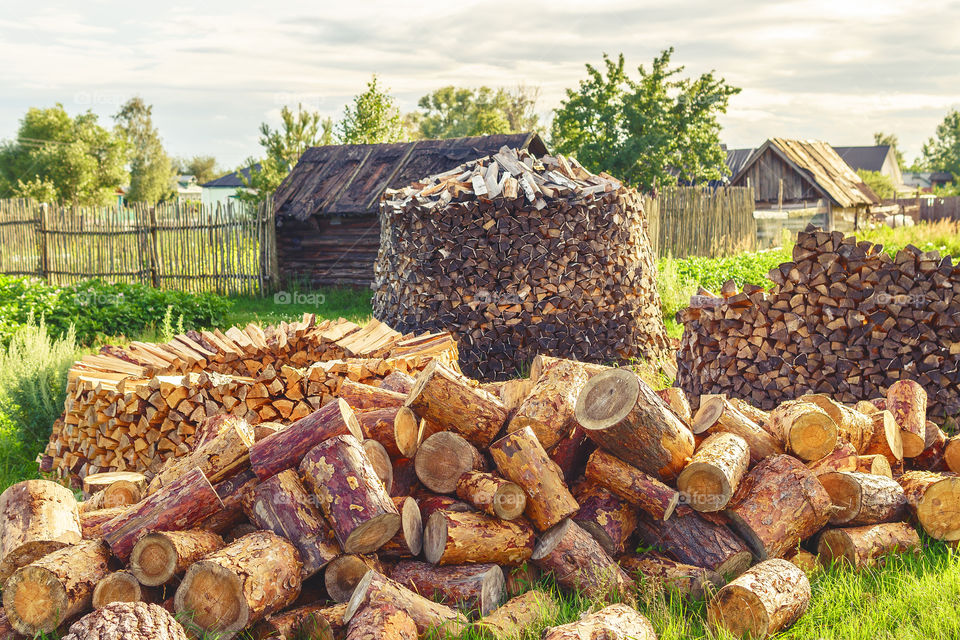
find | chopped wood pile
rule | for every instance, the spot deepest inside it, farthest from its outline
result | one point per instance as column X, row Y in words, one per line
column 842, row 318
column 517, row 256
column 131, row 408
column 329, row 527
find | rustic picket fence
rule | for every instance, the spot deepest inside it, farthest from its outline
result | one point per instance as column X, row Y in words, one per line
column 188, row 247
column 702, row 221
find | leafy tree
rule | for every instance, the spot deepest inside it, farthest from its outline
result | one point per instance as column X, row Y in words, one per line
column 452, row 112
column 881, row 184
column 655, row 130
column 283, row 147
column 151, row 170
column 202, row 168
column 373, row 117
column 56, row 157
column 942, row 152
column 881, row 138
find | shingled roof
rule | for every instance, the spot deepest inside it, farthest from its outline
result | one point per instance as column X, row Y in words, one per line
column 344, row 180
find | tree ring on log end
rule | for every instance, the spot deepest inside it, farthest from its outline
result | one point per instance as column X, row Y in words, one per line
column 406, row 431
column 607, row 398
column 36, row 596
column 434, row 537
column 740, row 611
column 213, row 594
column 939, row 509
column 155, row 559
column 411, row 521
column 372, row 534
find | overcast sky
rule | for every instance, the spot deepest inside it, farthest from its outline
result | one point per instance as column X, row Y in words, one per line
column 835, row 70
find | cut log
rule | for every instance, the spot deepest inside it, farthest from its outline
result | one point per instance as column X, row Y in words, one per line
column 578, row 562
column 92, row 521
column 213, row 426
column 443, row 396
column 951, row 454
column 442, row 458
column 282, row 504
column 375, row 588
column 932, row 498
column 779, row 503
column 409, row 431
column 238, row 585
column 676, row 399
column 285, row 449
column 865, row 546
column 615, row 622
column 715, row 471
column 853, row 426
column 863, row 498
column 758, row 416
column 885, row 438
column 542, row 363
column 158, row 557
column 875, row 464
column 231, row 492
column 344, row 573
column 408, row 542
column 661, row 572
column 99, row 481
column 223, row 456
column 548, row 408
column 405, row 481
column 522, row 459
column 380, row 461
column 690, row 538
column 263, row 430
column 475, row 538
column 430, row 504
column 469, row 587
column 805, row 430
column 931, row 458
column 807, row 561
column 571, row 453
column 907, row 401
column 103, row 500
column 398, row 382
column 351, row 496
column 119, row 586
column 522, row 578
column 363, row 397
column 492, row 494
column 381, row 622
column 310, row 621
column 128, row 621
column 53, row 589
column 398, row 437
column 632, row 484
column 718, row 415
column 764, row 600
column 843, row 458
column 518, row 615
column 623, row 415
column 38, row 518
column 605, row 515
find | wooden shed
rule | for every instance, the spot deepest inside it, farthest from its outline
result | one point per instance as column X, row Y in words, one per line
column 328, row 230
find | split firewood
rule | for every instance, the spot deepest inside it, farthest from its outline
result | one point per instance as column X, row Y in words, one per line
column 610, row 519
column 375, row 588
column 364, row 397
column 222, row 456
column 213, row 426
column 615, row 622
column 408, row 542
column 711, row 477
column 118, row 586
column 127, row 620
column 660, row 572
column 928, row 495
column 311, row 621
column 380, row 460
column 492, row 494
column 518, row 615
column 632, row 484
column 863, row 498
column 762, row 601
column 468, row 587
column 157, row 557
column 344, row 573
column 549, row 407
column 864, row 546
column 381, row 622
column 719, row 415
column 805, row 429
column 907, row 401
column 451, row 537
column 690, row 538
column 125, row 481
column 442, row 458
column 238, row 585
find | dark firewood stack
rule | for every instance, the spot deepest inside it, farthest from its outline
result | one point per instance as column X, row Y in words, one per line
column 843, row 318
column 517, row 256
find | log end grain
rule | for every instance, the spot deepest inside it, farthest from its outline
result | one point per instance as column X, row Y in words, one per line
column 119, row 586
column 607, row 399
column 406, row 431
column 381, row 462
column 442, row 458
column 343, row 573
column 763, row 600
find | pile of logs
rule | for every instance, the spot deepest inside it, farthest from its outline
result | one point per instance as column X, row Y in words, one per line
column 517, row 256
column 842, row 317
column 129, row 409
column 437, row 502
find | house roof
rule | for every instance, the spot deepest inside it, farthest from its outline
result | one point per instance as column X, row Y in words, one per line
column 822, row 167
column 232, row 179
column 349, row 179
column 736, row 158
column 866, row 158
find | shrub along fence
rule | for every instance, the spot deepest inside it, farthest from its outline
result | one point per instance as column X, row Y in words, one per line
column 702, row 221
column 187, row 247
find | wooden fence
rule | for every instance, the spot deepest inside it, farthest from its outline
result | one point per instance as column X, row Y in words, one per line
column 188, row 247
column 935, row 209
column 702, row 221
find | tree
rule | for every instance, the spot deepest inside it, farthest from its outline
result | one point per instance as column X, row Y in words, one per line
column 283, row 147
column 942, row 152
column 373, row 117
column 202, row 168
column 890, row 139
column 151, row 170
column 451, row 112
column 59, row 158
column 656, row 130
column 881, row 184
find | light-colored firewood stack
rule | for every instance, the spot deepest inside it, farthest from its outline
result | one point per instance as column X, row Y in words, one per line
column 438, row 501
column 129, row 409
column 842, row 318
column 518, row 255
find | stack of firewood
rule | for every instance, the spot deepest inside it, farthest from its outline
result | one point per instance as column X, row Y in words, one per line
column 842, row 318
column 129, row 409
column 516, row 256
column 438, row 501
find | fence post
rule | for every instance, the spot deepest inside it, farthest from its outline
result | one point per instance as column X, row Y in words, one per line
column 42, row 242
column 154, row 252
column 270, row 235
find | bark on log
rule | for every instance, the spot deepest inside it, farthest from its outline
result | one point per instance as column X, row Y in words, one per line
column 907, row 401
column 875, row 464
column 442, row 458
column 238, row 585
column 344, row 573
column 863, row 498
column 285, row 449
column 715, row 471
column 632, row 484
column 519, row 614
column 475, row 538
column 38, row 518
column 92, row 521
column 755, row 414
column 865, row 546
column 766, row 599
column 779, row 503
column 405, row 481
column 408, row 542
column 805, row 430
column 885, row 437
column 542, row 363
column 690, row 538
column 430, row 504
column 853, row 426
column 99, row 481
column 127, row 621
column 676, row 399
column 444, row 397
column 363, row 397
column 351, row 495
column 380, row 460
column 686, row 580
column 616, row 622
column 522, row 459
column 571, row 453
column 398, row 437
column 398, row 382
column 521, row 579
column 932, row 498
column 381, row 622
column 157, row 557
column 469, row 587
column 231, row 492
column 719, row 415
column 951, row 454
column 931, row 458
column 548, row 408
column 378, row 589
column 225, row 455
column 311, row 621
column 843, row 458
column 53, row 589
column 492, row 494
column 807, row 561
column 623, row 415
column 578, row 562
column 605, row 515
column 119, row 586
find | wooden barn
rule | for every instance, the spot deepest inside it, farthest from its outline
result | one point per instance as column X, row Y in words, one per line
column 328, row 230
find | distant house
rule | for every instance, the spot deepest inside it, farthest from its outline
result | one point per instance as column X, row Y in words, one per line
column 927, row 180
column 880, row 158
column 223, row 190
column 736, row 159
column 328, row 228
column 188, row 190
